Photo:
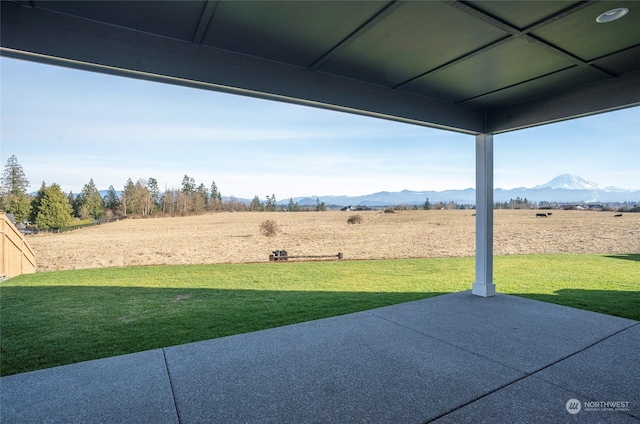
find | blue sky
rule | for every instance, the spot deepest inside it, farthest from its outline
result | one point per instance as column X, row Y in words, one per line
column 68, row 126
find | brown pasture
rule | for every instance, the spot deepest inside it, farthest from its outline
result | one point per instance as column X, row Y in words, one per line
column 236, row 237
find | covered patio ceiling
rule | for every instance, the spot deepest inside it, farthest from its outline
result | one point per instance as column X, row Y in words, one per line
column 473, row 66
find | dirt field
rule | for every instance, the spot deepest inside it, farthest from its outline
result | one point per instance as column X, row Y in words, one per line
column 235, row 237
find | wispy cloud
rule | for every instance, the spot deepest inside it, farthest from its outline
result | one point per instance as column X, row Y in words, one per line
column 68, row 126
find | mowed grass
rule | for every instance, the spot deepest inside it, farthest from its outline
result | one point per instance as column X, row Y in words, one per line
column 56, row 318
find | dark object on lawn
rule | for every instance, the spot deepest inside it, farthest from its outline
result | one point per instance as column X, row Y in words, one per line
column 541, row 215
column 617, row 215
column 278, row 255
column 281, row 255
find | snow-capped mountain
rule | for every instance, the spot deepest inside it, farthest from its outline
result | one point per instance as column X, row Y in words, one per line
column 564, row 188
column 571, row 182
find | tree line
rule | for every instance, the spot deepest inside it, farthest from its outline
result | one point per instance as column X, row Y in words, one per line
column 143, row 198
column 516, row 203
column 52, row 208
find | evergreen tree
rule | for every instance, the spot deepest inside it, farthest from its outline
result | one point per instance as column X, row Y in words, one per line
column 427, row 205
column 188, row 185
column 215, row 202
column 36, row 201
column 255, row 205
column 214, row 190
column 200, row 198
column 72, row 201
column 91, row 204
column 75, row 206
column 14, row 180
column 111, row 200
column 187, row 202
column 271, row 203
column 293, row 206
column 19, row 206
column 154, row 191
column 13, row 190
column 54, row 210
column 320, row 206
column 127, row 195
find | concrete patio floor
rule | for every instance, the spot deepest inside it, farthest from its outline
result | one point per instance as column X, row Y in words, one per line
column 454, row 358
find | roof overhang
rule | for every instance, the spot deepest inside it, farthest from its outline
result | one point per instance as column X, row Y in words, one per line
column 472, row 67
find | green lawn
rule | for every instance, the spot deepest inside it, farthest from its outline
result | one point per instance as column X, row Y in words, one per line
column 56, row 318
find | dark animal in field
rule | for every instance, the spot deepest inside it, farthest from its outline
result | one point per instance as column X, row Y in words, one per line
column 619, row 214
column 548, row 213
column 541, row 215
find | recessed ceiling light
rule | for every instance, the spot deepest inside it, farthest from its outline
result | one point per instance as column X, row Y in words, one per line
column 612, row 15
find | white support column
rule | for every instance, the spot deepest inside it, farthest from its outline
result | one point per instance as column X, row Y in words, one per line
column 484, row 286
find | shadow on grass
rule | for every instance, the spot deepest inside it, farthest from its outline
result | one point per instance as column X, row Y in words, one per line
column 43, row 327
column 628, row 257
column 625, row 304
column 48, row 326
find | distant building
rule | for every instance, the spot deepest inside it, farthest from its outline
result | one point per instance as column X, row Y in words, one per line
column 356, row 208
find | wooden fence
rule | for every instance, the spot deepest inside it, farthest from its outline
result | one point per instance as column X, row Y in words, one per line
column 17, row 257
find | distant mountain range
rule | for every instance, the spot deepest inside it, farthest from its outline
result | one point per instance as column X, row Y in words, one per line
column 563, row 188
